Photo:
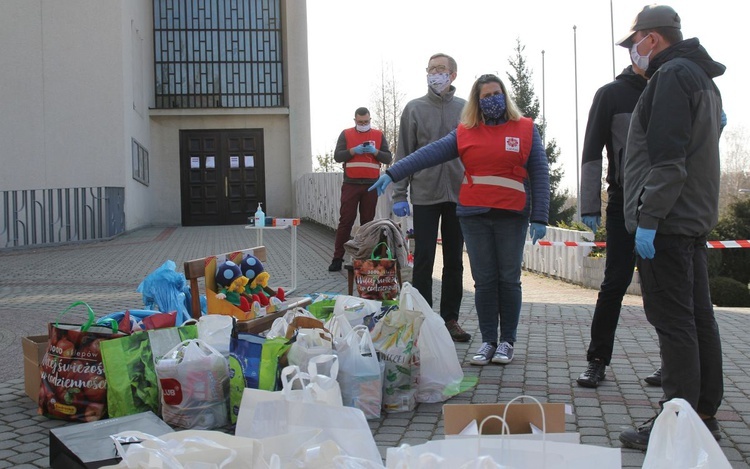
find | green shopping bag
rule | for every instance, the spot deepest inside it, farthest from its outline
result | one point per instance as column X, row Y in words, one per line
column 272, row 360
column 129, row 366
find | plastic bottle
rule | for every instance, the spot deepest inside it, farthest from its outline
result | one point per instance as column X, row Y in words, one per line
column 260, row 217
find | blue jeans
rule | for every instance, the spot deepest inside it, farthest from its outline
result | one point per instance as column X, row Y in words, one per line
column 495, row 247
column 426, row 220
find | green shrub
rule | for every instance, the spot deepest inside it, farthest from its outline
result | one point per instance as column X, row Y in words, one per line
column 735, row 224
column 726, row 291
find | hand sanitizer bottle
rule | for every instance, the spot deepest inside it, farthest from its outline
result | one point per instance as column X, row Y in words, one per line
column 260, row 217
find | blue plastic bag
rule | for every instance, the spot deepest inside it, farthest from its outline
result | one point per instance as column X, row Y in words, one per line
column 166, row 290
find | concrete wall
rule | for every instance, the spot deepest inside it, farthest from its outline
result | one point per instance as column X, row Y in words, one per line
column 77, row 85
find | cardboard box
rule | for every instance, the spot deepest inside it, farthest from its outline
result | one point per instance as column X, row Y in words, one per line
column 34, row 348
column 520, row 415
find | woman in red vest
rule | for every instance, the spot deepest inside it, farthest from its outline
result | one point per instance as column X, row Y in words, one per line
column 505, row 186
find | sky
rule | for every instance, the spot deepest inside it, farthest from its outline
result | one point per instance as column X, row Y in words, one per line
column 351, row 42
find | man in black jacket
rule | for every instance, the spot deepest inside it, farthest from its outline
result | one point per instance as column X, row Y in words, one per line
column 609, row 119
column 671, row 187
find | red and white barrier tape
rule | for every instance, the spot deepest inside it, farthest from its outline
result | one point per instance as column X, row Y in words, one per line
column 738, row 243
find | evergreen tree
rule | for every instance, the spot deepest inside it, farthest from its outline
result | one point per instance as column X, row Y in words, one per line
column 523, row 94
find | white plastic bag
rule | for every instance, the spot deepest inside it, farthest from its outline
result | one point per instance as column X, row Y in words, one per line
column 323, row 371
column 395, row 339
column 354, row 309
column 194, row 379
column 308, row 344
column 188, row 449
column 680, row 439
column 359, row 372
column 440, row 372
column 280, row 325
column 216, row 330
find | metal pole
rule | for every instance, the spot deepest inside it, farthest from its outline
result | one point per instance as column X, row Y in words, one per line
column 612, row 28
column 578, row 166
column 544, row 109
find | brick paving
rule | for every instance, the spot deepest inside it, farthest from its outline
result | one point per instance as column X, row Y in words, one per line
column 37, row 283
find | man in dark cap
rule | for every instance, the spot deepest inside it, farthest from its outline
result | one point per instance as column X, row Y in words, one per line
column 671, row 187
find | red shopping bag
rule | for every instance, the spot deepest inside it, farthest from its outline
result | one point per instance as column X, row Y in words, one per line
column 376, row 278
column 73, row 386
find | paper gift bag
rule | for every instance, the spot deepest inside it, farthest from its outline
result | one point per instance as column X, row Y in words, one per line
column 73, row 386
column 376, row 278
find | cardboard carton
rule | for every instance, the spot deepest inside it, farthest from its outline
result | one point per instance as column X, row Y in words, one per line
column 519, row 417
column 34, row 348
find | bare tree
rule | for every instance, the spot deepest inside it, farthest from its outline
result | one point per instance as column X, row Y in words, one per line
column 326, row 164
column 389, row 102
column 735, row 166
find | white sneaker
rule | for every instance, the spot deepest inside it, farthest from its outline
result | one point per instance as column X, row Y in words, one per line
column 503, row 354
column 484, row 354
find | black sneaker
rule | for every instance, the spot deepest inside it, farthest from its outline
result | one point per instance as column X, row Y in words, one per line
column 456, row 332
column 593, row 374
column 637, row 437
column 654, row 379
column 713, row 426
column 335, row 265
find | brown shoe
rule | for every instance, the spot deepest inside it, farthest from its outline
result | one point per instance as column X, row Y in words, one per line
column 457, row 334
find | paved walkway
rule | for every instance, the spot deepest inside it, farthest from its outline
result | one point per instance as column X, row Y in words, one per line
column 36, row 284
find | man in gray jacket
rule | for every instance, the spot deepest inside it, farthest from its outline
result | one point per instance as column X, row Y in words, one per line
column 434, row 191
column 671, row 187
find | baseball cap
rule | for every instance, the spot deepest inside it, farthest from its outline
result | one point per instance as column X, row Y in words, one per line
column 651, row 17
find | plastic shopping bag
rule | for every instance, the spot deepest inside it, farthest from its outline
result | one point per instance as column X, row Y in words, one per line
column 308, row 344
column 129, row 365
column 264, row 415
column 245, row 351
column 216, row 330
column 194, row 379
column 359, row 372
column 680, row 439
column 395, row 339
column 323, row 371
column 440, row 372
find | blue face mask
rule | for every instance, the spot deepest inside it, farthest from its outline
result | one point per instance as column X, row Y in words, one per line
column 493, row 107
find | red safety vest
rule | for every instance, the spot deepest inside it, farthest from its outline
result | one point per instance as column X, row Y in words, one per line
column 494, row 159
column 363, row 166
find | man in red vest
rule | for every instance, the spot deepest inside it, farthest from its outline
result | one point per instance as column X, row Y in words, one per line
column 361, row 149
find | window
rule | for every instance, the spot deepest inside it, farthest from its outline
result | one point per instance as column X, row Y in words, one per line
column 218, row 53
column 140, row 163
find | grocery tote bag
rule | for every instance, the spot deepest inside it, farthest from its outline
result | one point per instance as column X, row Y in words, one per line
column 73, row 386
column 376, row 278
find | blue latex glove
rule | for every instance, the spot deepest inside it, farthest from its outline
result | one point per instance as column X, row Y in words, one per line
column 537, row 232
column 401, row 209
column 359, row 149
column 644, row 242
column 381, row 184
column 592, row 221
column 368, row 148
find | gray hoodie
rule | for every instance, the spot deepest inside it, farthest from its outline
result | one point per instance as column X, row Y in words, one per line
column 423, row 121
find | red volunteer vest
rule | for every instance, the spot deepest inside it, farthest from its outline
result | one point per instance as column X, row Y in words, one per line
column 494, row 157
column 363, row 166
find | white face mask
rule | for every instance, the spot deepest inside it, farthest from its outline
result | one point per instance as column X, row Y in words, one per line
column 640, row 61
column 363, row 128
column 439, row 82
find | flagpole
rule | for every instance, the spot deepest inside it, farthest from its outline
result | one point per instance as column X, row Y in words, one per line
column 578, row 166
column 612, row 28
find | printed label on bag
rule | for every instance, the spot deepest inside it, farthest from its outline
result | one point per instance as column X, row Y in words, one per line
column 376, row 279
column 171, row 389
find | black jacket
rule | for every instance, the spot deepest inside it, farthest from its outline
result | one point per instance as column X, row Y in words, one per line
column 607, row 126
column 672, row 157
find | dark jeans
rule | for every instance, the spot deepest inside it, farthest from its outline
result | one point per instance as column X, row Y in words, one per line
column 677, row 302
column 618, row 273
column 353, row 196
column 495, row 246
column 426, row 219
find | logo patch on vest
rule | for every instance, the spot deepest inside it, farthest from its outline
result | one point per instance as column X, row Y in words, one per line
column 513, row 144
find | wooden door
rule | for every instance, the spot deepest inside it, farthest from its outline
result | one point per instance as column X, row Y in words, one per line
column 221, row 176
